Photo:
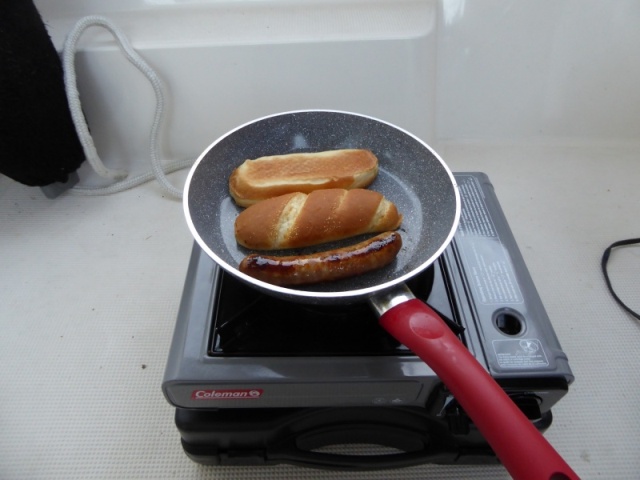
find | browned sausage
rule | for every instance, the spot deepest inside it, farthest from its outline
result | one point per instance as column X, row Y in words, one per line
column 327, row 266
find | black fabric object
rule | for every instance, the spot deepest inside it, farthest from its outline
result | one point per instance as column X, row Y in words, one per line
column 38, row 141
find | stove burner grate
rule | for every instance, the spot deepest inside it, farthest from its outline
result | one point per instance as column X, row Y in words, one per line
column 248, row 322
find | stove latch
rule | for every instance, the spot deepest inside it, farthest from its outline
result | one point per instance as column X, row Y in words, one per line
column 460, row 424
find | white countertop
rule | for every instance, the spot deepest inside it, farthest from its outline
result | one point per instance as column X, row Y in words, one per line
column 91, row 287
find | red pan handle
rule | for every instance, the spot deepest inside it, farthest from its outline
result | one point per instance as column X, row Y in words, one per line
column 521, row 448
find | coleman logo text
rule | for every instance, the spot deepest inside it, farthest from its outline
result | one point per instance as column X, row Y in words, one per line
column 248, row 393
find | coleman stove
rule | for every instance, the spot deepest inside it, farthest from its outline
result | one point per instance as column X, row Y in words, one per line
column 261, row 380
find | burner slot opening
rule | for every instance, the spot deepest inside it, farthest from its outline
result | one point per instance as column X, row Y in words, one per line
column 509, row 322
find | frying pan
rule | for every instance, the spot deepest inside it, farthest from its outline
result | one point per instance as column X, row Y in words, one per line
column 423, row 188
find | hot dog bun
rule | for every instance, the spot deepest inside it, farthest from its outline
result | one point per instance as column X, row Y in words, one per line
column 299, row 220
column 272, row 176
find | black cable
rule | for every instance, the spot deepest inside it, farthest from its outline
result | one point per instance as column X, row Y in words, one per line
column 605, row 261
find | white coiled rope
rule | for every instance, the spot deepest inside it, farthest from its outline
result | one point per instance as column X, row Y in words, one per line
column 158, row 170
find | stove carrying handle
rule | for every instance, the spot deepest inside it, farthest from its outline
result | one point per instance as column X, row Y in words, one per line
column 415, row 448
column 521, row 448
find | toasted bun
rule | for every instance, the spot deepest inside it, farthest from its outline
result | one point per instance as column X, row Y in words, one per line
column 299, row 220
column 268, row 177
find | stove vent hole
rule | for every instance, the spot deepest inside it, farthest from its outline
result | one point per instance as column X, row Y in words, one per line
column 509, row 323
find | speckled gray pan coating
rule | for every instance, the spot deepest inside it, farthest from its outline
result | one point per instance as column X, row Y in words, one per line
column 411, row 175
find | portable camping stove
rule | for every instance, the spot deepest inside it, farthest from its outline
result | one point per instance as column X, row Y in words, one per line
column 258, row 380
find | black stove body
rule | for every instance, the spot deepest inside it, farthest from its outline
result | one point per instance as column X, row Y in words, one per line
column 259, row 380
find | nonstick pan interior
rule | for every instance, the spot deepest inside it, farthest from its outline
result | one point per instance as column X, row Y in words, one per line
column 411, row 175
